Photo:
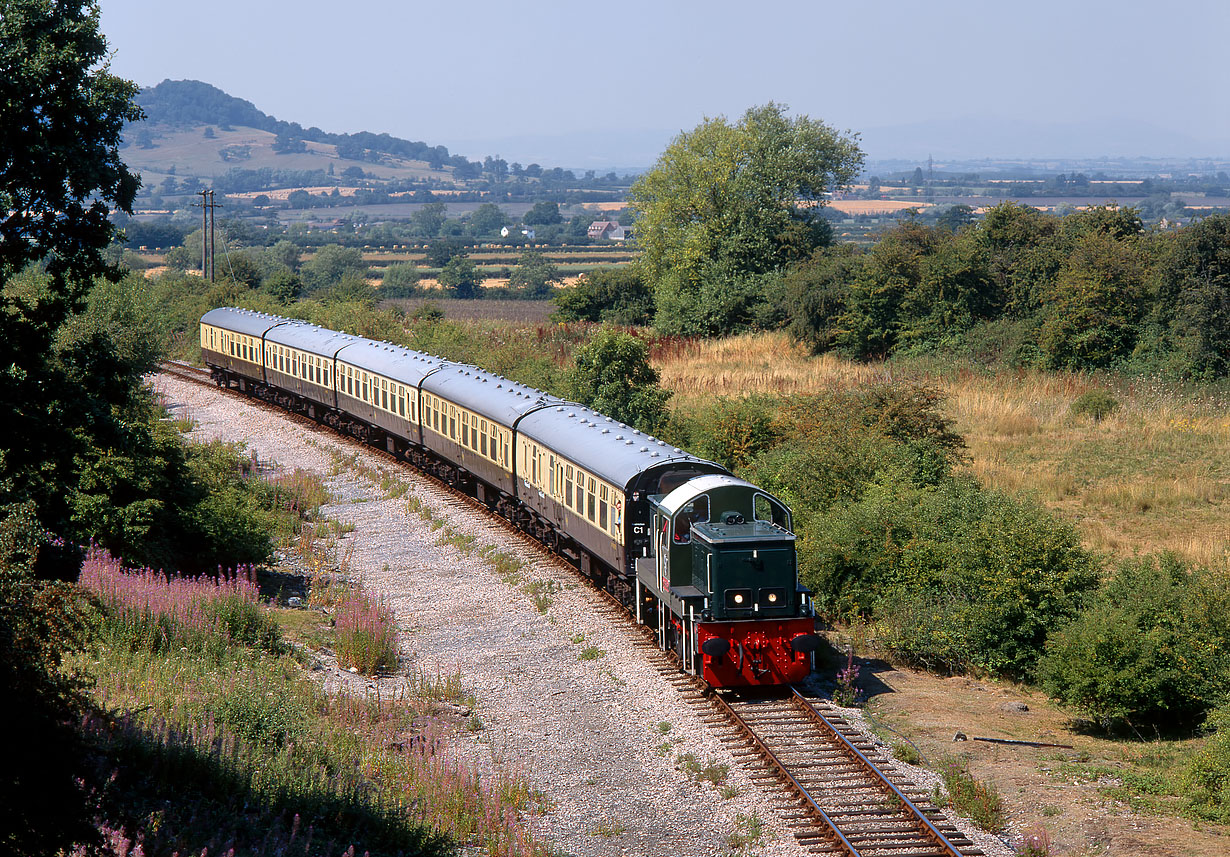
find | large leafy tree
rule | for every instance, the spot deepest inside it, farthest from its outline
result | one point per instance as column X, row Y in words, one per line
column 535, row 275
column 727, row 203
column 61, row 113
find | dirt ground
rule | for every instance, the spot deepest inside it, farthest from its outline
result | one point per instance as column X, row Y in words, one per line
column 929, row 710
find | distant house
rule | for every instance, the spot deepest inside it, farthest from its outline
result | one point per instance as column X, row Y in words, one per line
column 527, row 231
column 609, row 230
column 602, row 228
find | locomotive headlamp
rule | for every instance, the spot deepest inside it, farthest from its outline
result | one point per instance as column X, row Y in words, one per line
column 773, row 596
column 738, row 599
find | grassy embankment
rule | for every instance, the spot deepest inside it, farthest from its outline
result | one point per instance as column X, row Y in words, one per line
column 221, row 736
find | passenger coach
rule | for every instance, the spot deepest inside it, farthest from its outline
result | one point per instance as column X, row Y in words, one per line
column 705, row 558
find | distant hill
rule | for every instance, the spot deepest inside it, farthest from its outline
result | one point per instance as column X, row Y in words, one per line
column 188, row 103
column 195, row 131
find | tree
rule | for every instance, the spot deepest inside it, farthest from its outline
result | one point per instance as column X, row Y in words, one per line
column 428, row 219
column 1094, row 305
column 535, row 275
column 61, row 115
column 543, row 213
column 440, row 253
column 463, row 277
column 330, row 264
column 400, row 280
column 727, row 203
column 284, row 286
column 612, row 375
column 487, row 219
column 956, row 217
column 611, row 295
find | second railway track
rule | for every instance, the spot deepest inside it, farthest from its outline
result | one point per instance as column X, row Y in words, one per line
column 839, row 795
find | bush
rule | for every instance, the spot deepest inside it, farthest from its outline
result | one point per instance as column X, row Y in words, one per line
column 1096, row 404
column 400, row 280
column 733, row 431
column 1208, row 773
column 1149, row 650
column 954, row 577
column 610, row 295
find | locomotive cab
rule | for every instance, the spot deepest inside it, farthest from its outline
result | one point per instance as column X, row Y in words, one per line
column 724, row 580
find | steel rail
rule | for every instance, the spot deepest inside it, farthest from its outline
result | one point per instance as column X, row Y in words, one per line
column 798, row 787
column 929, row 829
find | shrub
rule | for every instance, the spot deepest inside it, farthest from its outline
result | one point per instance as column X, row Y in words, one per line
column 1150, row 648
column 366, row 635
column 953, row 576
column 1208, row 773
column 400, row 280
column 735, row 430
column 1096, row 404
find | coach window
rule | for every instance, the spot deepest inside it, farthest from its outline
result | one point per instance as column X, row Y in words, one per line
column 465, row 429
column 452, row 422
column 401, row 401
column 589, row 495
column 568, row 486
column 602, row 505
column 483, row 435
column 435, row 414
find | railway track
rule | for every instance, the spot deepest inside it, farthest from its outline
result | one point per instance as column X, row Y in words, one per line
column 844, row 798
column 839, row 794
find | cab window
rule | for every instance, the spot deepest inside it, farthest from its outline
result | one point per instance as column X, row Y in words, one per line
column 767, row 509
column 695, row 512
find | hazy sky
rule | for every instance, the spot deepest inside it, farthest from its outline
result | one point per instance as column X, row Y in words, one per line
column 473, row 75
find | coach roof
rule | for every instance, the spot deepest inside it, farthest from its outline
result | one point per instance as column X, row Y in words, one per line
column 310, row 338
column 486, row 394
column 600, row 444
column 245, row 321
column 391, row 361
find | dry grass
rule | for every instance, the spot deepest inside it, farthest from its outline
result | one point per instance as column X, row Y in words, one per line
column 759, row 363
column 876, row 206
column 1155, row 475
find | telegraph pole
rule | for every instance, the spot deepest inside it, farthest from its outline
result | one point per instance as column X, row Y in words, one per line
column 207, row 234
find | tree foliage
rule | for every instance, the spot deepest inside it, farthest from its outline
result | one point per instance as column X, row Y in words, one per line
column 1151, row 650
column 535, row 275
column 462, row 276
column 330, row 264
column 727, row 203
column 612, row 374
column 610, row 295
column 61, row 113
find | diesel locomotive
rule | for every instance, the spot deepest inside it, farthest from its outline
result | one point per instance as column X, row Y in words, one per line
column 704, row 558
